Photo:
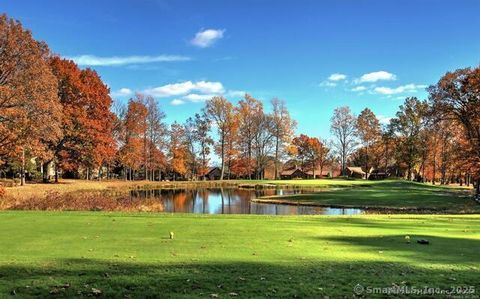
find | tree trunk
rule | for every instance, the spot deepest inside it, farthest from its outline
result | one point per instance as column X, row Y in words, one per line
column 22, row 171
column 45, row 172
column 477, row 188
column 366, row 162
column 222, row 170
column 56, row 173
column 276, row 158
column 409, row 172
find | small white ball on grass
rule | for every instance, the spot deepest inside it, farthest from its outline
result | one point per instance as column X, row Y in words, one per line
column 407, row 239
column 171, row 235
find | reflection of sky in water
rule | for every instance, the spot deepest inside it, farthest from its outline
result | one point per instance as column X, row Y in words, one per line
column 232, row 201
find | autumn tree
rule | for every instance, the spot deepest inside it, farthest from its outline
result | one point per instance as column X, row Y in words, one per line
column 177, row 150
column 199, row 141
column 191, row 147
column 310, row 151
column 263, row 143
column 283, row 127
column 323, row 155
column 221, row 113
column 154, row 139
column 250, row 112
column 98, row 146
column 131, row 154
column 456, row 96
column 368, row 129
column 231, row 145
column 408, row 124
column 29, row 109
column 343, row 128
column 387, row 146
column 88, row 123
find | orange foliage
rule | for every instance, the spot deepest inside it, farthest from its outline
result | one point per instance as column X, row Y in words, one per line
column 29, row 108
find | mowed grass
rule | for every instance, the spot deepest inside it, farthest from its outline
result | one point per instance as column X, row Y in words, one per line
column 388, row 194
column 78, row 254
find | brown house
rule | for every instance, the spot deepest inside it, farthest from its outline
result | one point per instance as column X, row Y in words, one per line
column 215, row 172
column 295, row 173
column 327, row 172
column 299, row 173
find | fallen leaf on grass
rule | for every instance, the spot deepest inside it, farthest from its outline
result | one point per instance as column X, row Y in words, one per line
column 96, row 292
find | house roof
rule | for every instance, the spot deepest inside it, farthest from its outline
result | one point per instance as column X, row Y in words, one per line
column 317, row 171
column 289, row 171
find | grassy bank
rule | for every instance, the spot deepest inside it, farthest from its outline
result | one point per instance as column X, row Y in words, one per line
column 71, row 185
column 80, row 254
column 387, row 195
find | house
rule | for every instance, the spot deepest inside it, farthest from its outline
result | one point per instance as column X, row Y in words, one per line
column 378, row 174
column 214, row 173
column 294, row 173
column 326, row 172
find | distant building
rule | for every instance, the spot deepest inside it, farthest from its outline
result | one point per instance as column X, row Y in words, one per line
column 295, row 173
column 299, row 173
column 214, row 173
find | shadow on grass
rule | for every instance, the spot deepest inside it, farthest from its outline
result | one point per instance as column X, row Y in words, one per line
column 303, row 279
column 440, row 250
column 406, row 222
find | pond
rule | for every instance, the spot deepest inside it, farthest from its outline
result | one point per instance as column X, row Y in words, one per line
column 231, row 201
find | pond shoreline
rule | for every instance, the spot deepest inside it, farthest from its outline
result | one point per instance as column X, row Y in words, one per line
column 371, row 209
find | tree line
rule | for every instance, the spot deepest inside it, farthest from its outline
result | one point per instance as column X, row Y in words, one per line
column 53, row 113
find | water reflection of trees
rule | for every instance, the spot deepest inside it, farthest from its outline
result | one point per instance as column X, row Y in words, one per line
column 229, row 201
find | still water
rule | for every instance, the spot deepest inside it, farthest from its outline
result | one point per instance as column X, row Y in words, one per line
column 231, row 201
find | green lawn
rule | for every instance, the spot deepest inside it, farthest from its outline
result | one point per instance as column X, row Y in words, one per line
column 388, row 194
column 66, row 254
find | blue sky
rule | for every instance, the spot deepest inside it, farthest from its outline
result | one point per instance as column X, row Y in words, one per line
column 316, row 55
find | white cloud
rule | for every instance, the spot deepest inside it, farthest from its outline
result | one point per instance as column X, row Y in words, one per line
column 173, row 89
column 177, row 102
column 209, row 87
column 359, row 88
column 92, row 60
column 327, row 84
column 376, row 76
column 206, row 38
column 399, row 89
column 337, row 77
column 192, row 92
column 193, row 97
column 122, row 92
column 183, row 88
